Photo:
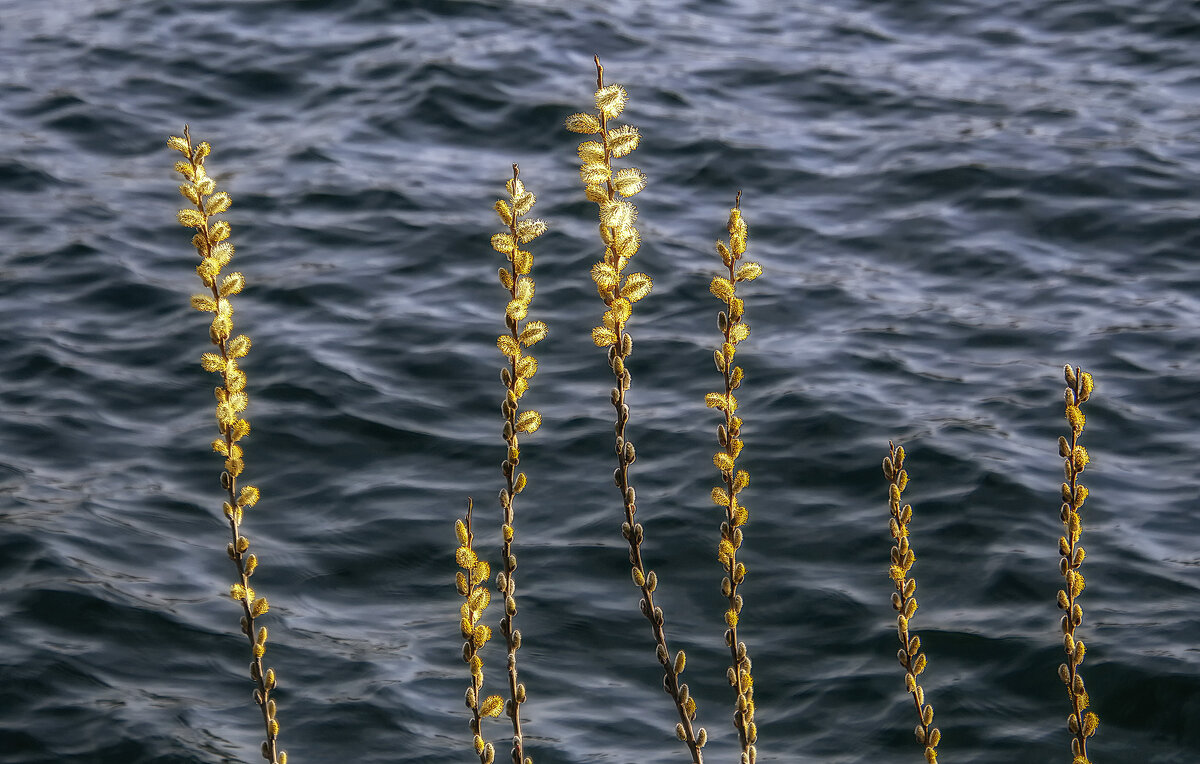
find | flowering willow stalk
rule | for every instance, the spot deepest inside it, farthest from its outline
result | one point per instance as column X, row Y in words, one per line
column 516, row 376
column 610, row 189
column 212, row 244
column 734, row 330
column 904, row 600
column 1075, row 458
column 472, row 585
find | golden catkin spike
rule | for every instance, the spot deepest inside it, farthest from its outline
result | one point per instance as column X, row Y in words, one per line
column 215, row 253
column 912, row 660
column 730, row 323
column 1075, row 459
column 608, row 189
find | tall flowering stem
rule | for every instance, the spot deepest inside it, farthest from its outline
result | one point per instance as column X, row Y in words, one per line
column 734, row 329
column 1075, row 458
column 904, row 600
column 516, row 376
column 212, row 245
column 610, row 190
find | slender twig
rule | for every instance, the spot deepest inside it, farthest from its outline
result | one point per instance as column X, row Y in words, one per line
column 733, row 330
column 904, row 600
column 522, row 366
column 211, row 242
column 609, row 189
column 1075, row 459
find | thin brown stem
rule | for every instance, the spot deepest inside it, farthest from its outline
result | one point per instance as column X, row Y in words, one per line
column 904, row 600
column 508, row 499
column 231, row 400
column 1074, row 494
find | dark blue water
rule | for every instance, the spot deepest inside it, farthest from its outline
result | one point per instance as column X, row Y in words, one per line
column 950, row 200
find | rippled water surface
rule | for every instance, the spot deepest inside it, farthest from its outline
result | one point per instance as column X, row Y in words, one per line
column 950, row 200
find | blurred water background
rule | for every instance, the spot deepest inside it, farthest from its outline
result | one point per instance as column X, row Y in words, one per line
column 950, row 200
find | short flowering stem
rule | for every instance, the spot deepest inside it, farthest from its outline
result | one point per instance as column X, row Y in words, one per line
column 1074, row 494
column 904, row 600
